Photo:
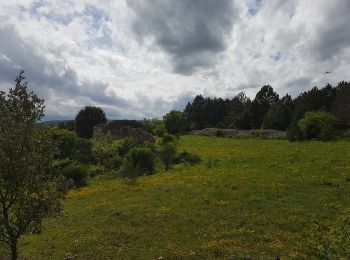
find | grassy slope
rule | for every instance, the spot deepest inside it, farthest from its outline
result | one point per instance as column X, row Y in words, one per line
column 260, row 201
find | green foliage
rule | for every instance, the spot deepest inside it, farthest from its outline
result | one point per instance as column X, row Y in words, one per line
column 112, row 163
column 154, row 126
column 77, row 172
column 169, row 138
column 65, row 142
column 29, row 189
column 82, row 151
column 191, row 158
column 278, row 117
column 176, row 122
column 294, row 133
column 139, row 161
column 318, row 125
column 126, row 145
column 168, row 154
column 87, row 118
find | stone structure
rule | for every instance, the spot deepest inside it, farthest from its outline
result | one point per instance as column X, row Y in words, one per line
column 120, row 131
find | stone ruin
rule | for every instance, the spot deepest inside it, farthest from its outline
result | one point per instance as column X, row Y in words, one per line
column 120, row 131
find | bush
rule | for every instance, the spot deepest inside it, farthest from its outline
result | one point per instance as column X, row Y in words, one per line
column 102, row 151
column 96, row 170
column 65, row 142
column 191, row 158
column 219, row 133
column 82, row 151
column 169, row 138
column 294, row 133
column 76, row 172
column 113, row 163
column 318, row 125
column 139, row 161
column 168, row 154
column 126, row 145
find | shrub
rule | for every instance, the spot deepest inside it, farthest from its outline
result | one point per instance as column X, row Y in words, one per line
column 126, row 145
column 113, row 163
column 96, row 170
column 294, row 133
column 139, row 161
column 191, row 158
column 219, row 133
column 65, row 142
column 318, row 125
column 102, row 151
column 168, row 154
column 169, row 138
column 77, row 172
column 82, row 151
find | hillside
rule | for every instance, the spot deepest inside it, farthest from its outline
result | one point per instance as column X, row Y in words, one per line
column 249, row 198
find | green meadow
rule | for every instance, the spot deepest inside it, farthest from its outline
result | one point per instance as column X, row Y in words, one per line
column 248, row 198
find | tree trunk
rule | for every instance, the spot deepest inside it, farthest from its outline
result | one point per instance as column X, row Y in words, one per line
column 14, row 250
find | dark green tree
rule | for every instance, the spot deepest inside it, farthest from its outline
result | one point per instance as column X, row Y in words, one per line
column 87, row 118
column 278, row 117
column 264, row 99
column 29, row 189
column 176, row 122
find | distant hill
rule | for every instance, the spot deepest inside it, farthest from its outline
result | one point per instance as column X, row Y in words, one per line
column 53, row 123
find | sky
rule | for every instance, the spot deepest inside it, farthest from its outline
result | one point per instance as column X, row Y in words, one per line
column 142, row 58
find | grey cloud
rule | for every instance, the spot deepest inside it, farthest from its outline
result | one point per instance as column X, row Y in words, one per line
column 334, row 32
column 16, row 54
column 192, row 32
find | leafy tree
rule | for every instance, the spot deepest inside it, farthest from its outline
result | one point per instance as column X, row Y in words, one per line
column 264, row 99
column 314, row 100
column 176, row 122
column 278, row 117
column 317, row 125
column 342, row 103
column 87, row 118
column 29, row 189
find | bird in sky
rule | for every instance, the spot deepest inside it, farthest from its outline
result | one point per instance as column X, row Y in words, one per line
column 327, row 72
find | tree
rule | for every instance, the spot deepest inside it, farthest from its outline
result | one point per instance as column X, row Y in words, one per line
column 87, row 118
column 342, row 104
column 278, row 117
column 264, row 99
column 176, row 122
column 29, row 188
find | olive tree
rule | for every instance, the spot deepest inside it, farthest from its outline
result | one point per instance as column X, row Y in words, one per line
column 29, row 188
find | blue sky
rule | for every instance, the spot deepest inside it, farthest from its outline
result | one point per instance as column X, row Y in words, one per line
column 142, row 58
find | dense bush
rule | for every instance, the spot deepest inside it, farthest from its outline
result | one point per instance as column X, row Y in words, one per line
column 154, row 126
column 139, row 161
column 168, row 154
column 318, row 125
column 294, row 133
column 82, row 151
column 103, row 151
column 169, row 138
column 65, row 142
column 126, row 145
column 191, row 158
column 112, row 163
column 76, row 172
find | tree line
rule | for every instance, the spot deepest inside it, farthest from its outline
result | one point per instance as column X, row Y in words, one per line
column 267, row 110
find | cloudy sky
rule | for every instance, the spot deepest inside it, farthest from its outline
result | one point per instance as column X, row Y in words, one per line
column 142, row 58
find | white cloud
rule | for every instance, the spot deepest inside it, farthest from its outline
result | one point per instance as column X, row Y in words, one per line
column 83, row 52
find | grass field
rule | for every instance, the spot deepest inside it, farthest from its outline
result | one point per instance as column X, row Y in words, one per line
column 247, row 199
